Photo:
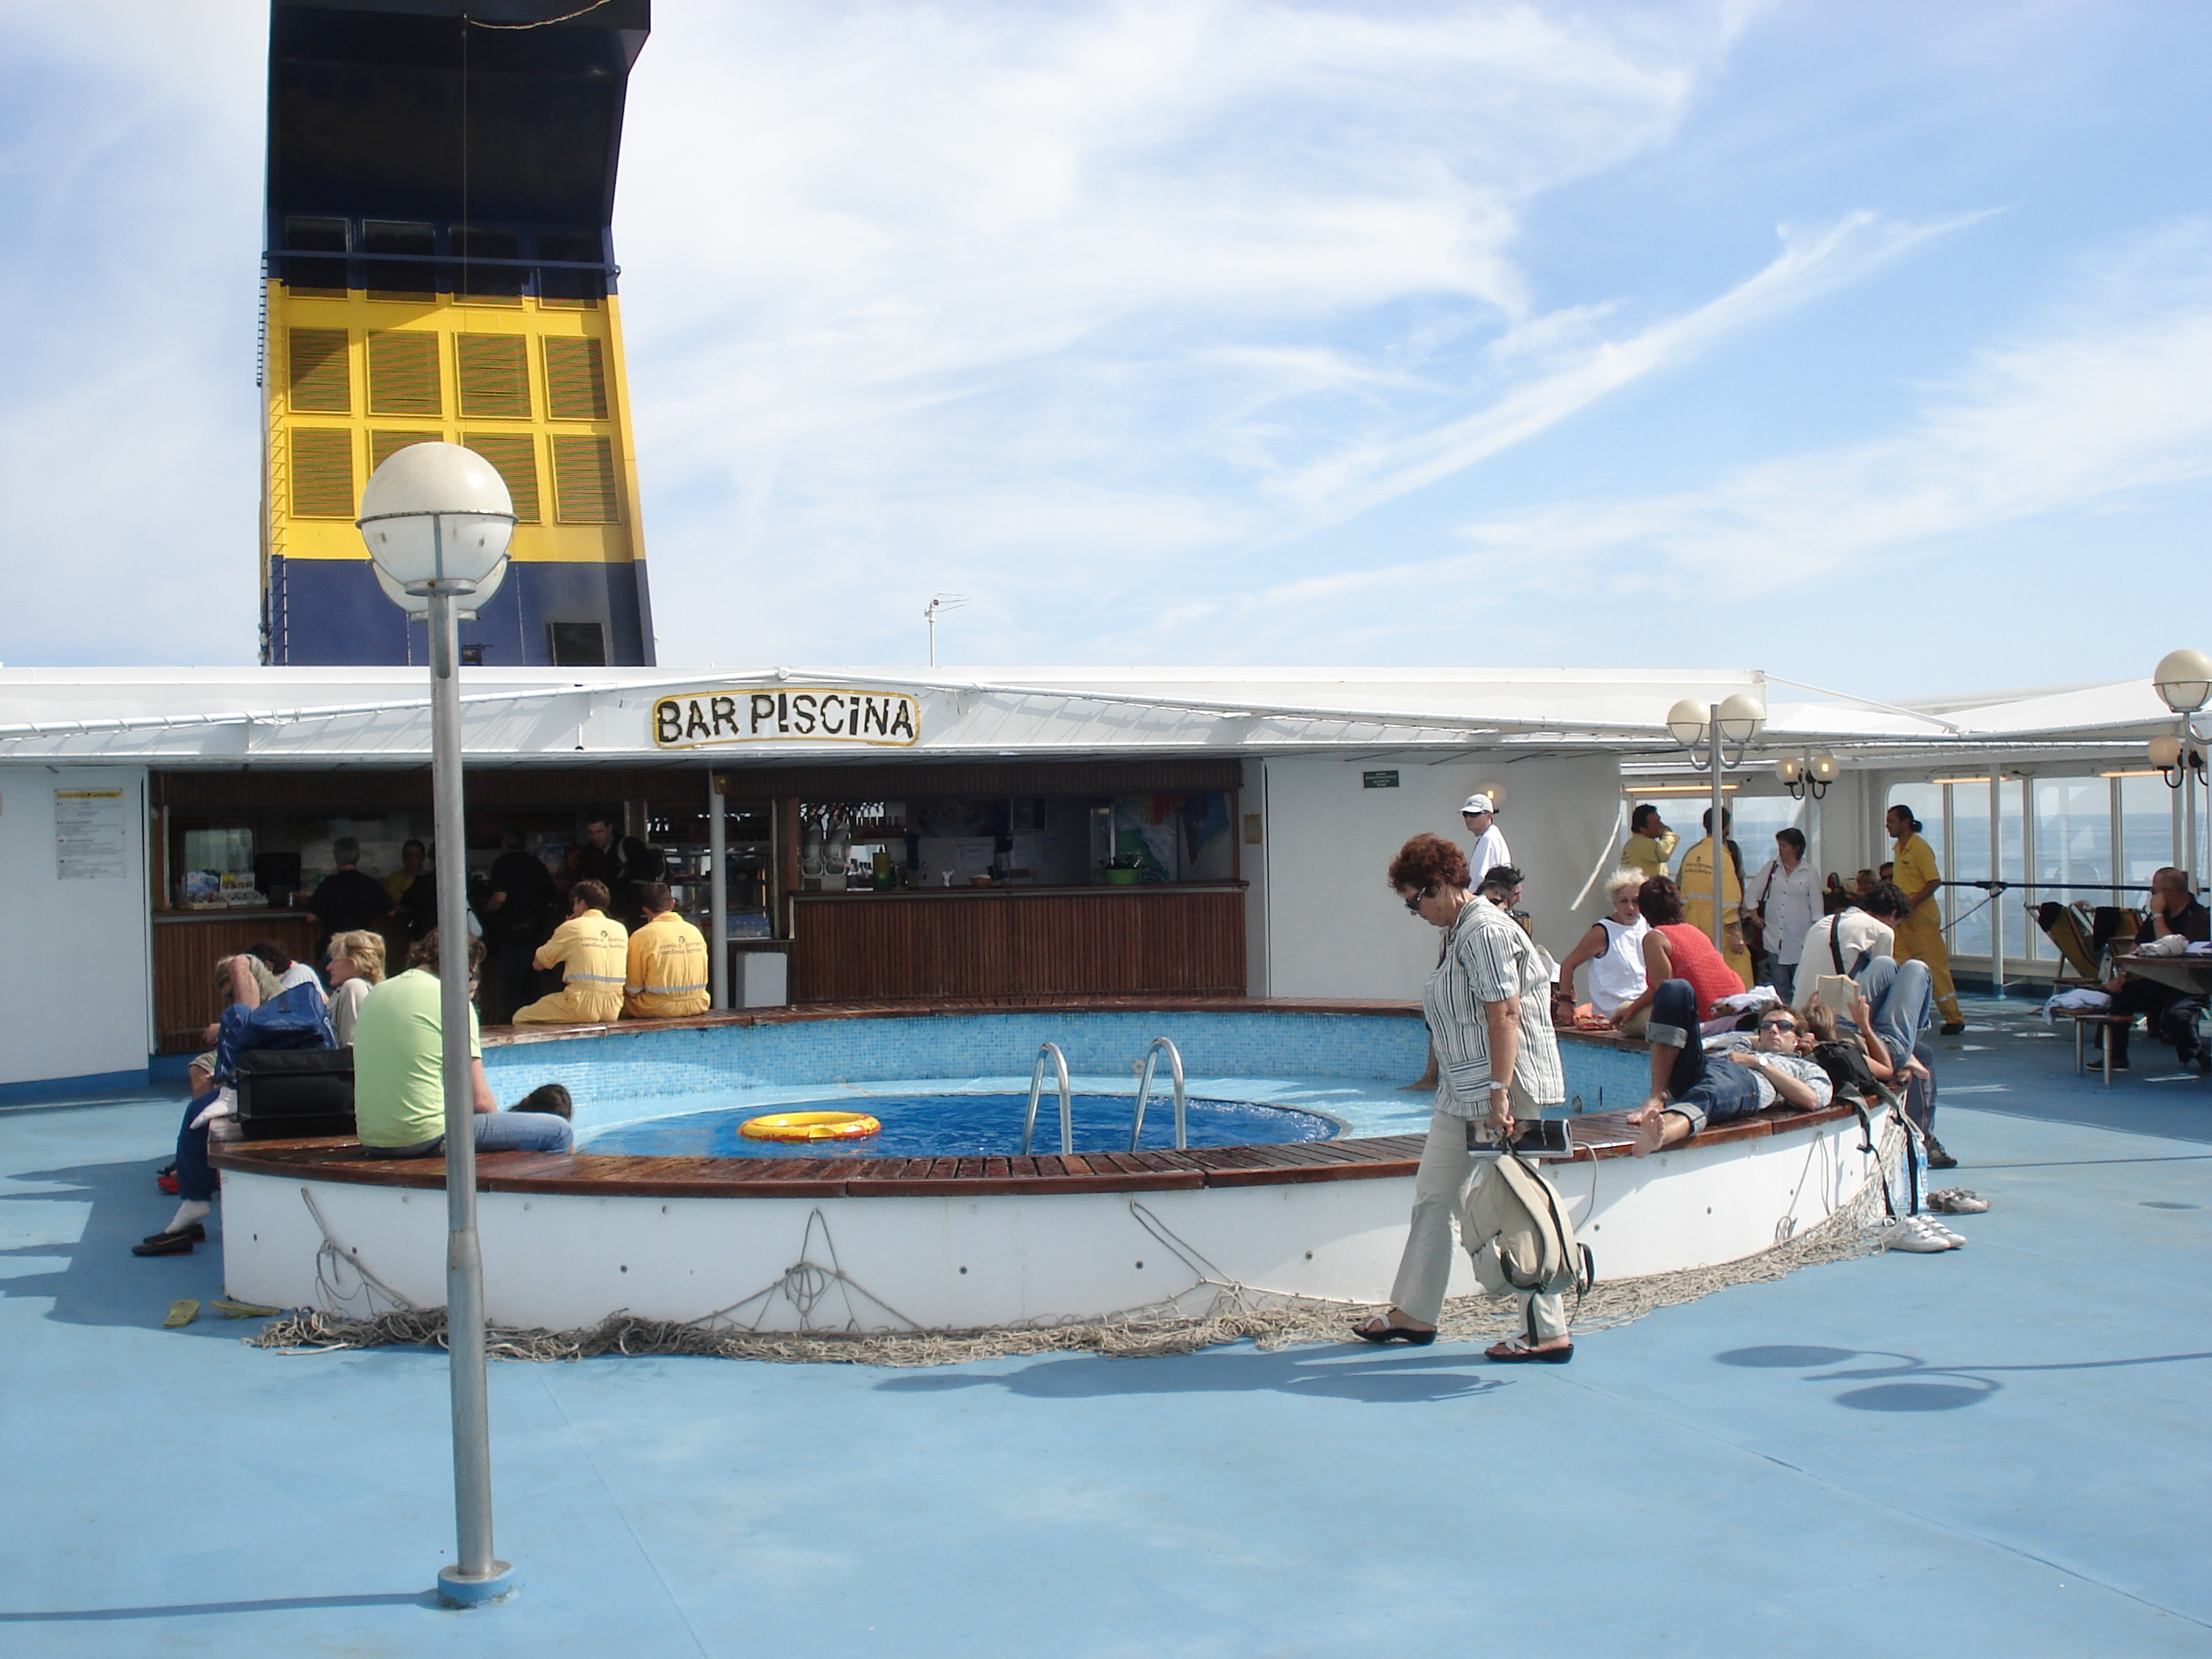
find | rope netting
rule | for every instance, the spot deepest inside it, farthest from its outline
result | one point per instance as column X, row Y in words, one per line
column 1227, row 1311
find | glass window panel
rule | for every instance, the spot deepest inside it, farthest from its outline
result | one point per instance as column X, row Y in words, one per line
column 1966, row 910
column 2073, row 837
column 2146, row 831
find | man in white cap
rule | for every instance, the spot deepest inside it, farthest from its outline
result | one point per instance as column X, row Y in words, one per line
column 1480, row 817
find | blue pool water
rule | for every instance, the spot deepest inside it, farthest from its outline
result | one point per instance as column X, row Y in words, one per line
column 967, row 1125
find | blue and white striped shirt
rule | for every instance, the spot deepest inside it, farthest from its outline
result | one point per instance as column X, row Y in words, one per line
column 1489, row 957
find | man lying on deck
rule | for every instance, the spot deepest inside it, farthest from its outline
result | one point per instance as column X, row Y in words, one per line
column 1691, row 1088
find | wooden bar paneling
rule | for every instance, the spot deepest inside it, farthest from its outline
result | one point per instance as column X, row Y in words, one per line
column 257, row 788
column 185, row 950
column 1012, row 944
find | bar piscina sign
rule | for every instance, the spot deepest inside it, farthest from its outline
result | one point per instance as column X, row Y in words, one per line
column 803, row 713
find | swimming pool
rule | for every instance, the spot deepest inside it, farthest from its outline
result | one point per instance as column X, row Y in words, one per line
column 847, row 1240
column 1348, row 1067
column 969, row 1126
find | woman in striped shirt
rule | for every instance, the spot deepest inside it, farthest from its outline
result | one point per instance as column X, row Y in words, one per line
column 1488, row 1004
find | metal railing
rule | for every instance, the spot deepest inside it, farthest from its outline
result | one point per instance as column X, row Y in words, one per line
column 1145, row 1092
column 1051, row 1051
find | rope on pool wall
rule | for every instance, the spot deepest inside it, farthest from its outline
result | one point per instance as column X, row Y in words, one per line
column 1158, row 1329
column 333, row 1261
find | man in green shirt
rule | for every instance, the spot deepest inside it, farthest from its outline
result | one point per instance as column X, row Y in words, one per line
column 398, row 1069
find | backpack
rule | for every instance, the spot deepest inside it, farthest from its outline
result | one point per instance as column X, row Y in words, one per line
column 1845, row 1062
column 1514, row 1226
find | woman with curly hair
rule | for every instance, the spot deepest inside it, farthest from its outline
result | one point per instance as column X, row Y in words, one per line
column 1488, row 1004
column 356, row 967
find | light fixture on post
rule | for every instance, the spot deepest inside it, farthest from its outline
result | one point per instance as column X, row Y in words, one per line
column 1806, row 775
column 1736, row 720
column 930, row 613
column 2183, row 680
column 437, row 519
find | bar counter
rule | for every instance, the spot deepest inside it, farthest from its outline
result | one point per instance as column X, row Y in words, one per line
column 187, row 944
column 922, row 942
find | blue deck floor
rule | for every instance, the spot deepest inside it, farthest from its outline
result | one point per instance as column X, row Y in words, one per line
column 2000, row 1451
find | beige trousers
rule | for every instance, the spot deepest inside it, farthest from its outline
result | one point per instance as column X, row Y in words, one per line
column 1438, row 1187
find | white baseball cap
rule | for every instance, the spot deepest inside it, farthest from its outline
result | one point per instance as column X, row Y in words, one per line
column 1477, row 803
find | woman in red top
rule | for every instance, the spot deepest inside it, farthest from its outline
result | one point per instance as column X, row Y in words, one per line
column 1675, row 950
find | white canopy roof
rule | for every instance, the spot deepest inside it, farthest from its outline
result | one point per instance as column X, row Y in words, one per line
column 379, row 716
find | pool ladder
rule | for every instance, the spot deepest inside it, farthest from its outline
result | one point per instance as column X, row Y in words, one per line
column 1051, row 1052
column 1145, row 1093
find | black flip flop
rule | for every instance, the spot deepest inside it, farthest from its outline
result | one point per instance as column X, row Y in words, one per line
column 1529, row 1356
column 1390, row 1333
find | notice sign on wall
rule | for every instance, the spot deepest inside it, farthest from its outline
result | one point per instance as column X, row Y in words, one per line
column 1378, row 780
column 804, row 714
column 92, row 839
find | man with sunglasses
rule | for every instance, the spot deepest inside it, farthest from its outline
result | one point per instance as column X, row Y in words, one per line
column 1692, row 1084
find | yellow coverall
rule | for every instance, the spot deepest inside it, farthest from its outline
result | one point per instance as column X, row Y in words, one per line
column 1697, row 884
column 595, row 954
column 667, row 971
column 1920, row 935
column 1649, row 854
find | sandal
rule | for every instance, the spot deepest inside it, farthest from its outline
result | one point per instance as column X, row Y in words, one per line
column 1518, row 1353
column 1957, row 1200
column 1379, row 1330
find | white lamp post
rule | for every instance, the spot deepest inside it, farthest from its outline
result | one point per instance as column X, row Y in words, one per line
column 1732, row 722
column 2184, row 681
column 437, row 519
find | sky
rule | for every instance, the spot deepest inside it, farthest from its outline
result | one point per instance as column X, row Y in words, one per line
column 1869, row 344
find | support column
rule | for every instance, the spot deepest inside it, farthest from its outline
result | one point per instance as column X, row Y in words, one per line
column 717, row 888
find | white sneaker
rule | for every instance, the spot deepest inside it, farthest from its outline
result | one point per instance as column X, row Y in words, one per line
column 1912, row 1233
column 1954, row 1240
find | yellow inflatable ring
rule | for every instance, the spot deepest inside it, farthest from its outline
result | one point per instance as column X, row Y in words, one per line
column 810, row 1126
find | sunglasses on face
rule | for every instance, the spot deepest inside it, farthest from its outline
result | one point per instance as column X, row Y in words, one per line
column 1779, row 1025
column 1413, row 904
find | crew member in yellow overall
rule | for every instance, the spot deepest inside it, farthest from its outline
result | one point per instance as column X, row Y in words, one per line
column 667, row 962
column 1650, row 843
column 1920, row 930
column 1695, row 878
column 593, row 953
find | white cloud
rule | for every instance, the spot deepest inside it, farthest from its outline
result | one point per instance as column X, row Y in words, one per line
column 2111, row 397
column 1032, row 299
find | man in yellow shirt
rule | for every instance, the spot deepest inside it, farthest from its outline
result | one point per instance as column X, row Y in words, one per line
column 1650, row 843
column 1920, row 932
column 667, row 962
column 1696, row 881
column 593, row 953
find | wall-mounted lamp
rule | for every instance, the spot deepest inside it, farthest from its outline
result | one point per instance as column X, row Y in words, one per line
column 2176, row 761
column 1804, row 774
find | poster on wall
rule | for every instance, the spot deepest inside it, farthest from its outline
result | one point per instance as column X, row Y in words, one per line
column 91, row 835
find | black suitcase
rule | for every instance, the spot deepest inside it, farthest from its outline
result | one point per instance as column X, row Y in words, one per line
column 286, row 1094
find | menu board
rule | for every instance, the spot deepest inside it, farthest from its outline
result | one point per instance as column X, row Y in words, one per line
column 92, row 838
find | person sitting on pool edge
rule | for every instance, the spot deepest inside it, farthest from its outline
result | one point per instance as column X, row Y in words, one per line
column 1691, row 1088
column 667, row 962
column 398, row 1071
column 593, row 952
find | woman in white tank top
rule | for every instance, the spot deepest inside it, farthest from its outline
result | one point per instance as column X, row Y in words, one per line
column 1614, row 948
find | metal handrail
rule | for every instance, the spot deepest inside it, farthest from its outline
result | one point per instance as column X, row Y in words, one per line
column 1145, row 1092
column 1067, row 1099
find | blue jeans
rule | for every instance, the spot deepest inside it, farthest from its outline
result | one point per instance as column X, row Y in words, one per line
column 1903, row 998
column 496, row 1131
column 1782, row 976
column 194, row 1176
column 1704, row 1091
